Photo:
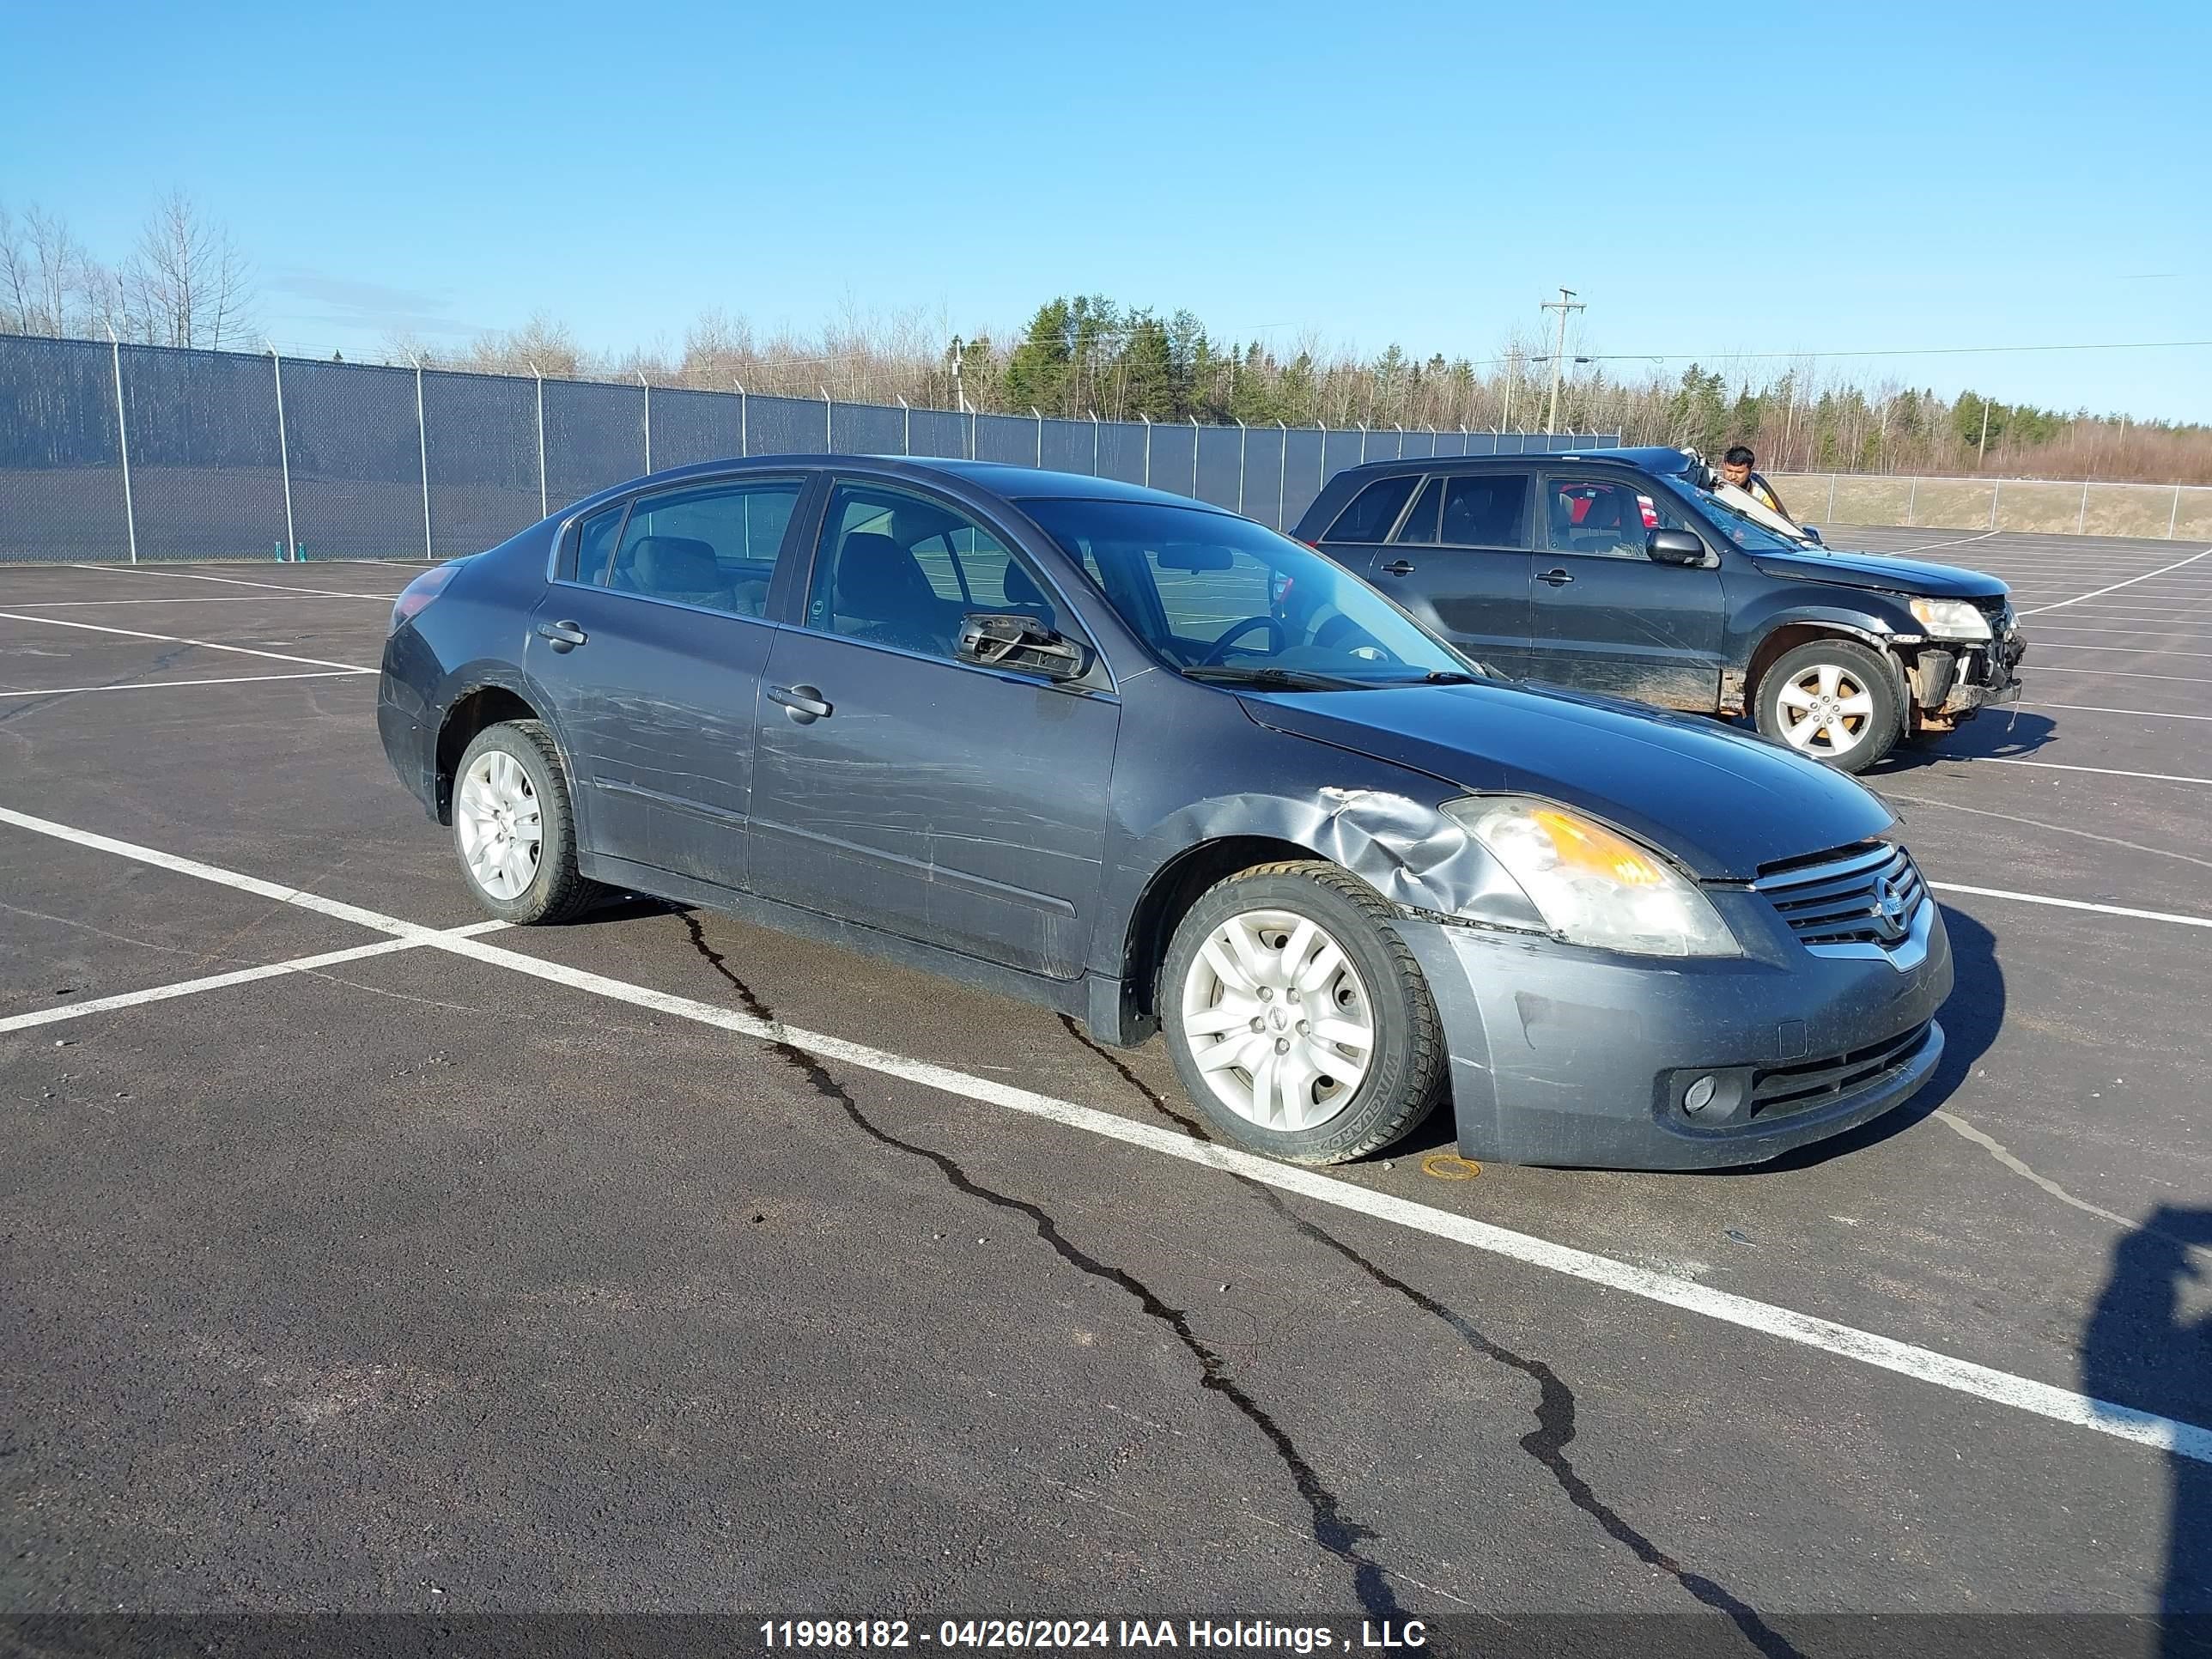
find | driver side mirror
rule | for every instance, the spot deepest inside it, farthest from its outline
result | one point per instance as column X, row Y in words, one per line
column 1016, row 640
column 1674, row 547
column 1812, row 535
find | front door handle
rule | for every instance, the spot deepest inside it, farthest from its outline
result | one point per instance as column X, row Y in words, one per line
column 803, row 703
column 1397, row 568
column 565, row 635
column 1557, row 577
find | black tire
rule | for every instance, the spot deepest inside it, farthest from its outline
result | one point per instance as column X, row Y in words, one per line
column 558, row 892
column 1858, row 667
column 1409, row 1069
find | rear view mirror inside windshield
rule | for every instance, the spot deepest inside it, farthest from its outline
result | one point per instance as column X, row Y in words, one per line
column 1196, row 556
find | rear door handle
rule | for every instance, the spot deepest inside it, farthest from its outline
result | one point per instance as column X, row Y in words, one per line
column 565, row 635
column 1397, row 568
column 803, row 703
column 1557, row 578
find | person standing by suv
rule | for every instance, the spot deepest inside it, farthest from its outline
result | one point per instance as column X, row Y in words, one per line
column 1736, row 466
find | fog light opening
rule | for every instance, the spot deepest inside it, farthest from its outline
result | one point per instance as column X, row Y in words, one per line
column 1699, row 1095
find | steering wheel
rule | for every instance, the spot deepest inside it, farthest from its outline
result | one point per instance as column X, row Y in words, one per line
column 1215, row 652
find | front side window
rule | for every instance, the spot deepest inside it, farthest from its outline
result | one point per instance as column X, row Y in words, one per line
column 1604, row 518
column 713, row 545
column 903, row 570
column 1224, row 599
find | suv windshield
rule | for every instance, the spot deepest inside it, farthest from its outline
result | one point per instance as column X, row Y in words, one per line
column 1222, row 598
column 1746, row 533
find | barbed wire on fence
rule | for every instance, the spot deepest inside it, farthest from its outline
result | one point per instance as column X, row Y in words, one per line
column 112, row 451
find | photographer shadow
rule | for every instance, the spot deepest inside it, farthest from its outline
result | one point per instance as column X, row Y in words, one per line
column 2144, row 1348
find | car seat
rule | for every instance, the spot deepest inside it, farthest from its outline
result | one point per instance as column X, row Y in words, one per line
column 883, row 597
column 679, row 568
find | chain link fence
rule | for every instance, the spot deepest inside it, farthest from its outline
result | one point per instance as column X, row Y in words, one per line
column 2170, row 511
column 143, row 452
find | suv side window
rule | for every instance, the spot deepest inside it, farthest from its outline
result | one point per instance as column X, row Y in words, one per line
column 902, row 570
column 712, row 546
column 1490, row 509
column 1420, row 528
column 1372, row 511
column 1603, row 517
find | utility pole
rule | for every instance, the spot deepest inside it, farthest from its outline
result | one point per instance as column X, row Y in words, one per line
column 1982, row 452
column 959, row 398
column 1565, row 303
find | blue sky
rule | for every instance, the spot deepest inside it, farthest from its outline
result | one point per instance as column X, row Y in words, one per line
column 1711, row 179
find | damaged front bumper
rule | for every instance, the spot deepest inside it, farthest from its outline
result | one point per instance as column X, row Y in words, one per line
column 1955, row 681
column 1571, row 1056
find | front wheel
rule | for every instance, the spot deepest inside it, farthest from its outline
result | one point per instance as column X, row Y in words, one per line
column 1832, row 701
column 513, row 828
column 1298, row 1019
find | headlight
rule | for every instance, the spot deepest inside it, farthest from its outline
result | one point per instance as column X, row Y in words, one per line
column 1951, row 619
column 1591, row 884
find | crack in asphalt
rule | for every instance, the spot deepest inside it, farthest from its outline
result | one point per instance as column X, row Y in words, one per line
column 1332, row 1530
column 1555, row 1403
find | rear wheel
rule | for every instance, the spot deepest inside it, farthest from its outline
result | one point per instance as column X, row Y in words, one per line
column 1297, row 1020
column 514, row 830
column 1832, row 700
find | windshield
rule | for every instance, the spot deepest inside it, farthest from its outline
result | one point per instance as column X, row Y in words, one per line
column 1225, row 598
column 1744, row 531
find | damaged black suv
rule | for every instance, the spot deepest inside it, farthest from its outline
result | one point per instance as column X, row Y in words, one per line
column 1637, row 573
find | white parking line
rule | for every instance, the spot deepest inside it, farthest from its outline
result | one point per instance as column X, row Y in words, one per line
column 2166, row 1434
column 218, row 982
column 166, row 685
column 180, row 599
column 2073, row 904
column 2124, row 674
column 2094, row 708
column 2116, row 587
column 1922, row 547
column 2149, row 631
column 2054, row 766
column 233, row 582
column 178, row 639
column 2131, row 650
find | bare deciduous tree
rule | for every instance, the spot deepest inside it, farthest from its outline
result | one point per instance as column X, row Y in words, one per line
column 187, row 284
column 46, row 275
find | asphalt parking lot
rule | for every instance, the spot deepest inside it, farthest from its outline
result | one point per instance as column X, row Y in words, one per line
column 656, row 1263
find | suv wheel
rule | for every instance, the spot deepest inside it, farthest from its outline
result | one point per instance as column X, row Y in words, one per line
column 1298, row 1021
column 513, row 827
column 1832, row 700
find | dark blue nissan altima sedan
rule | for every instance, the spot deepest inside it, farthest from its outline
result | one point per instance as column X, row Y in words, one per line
column 1153, row 765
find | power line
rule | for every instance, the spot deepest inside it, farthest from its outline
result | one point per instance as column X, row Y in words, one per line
column 1886, row 351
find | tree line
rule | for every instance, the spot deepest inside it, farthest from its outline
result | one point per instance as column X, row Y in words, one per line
column 186, row 283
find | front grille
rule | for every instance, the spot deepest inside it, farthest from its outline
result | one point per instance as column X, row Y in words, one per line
column 1866, row 896
column 1813, row 1084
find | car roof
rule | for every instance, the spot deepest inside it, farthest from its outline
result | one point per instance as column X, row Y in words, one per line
column 1655, row 458
column 1013, row 481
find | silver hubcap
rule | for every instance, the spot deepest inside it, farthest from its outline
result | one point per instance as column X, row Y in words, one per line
column 495, row 815
column 1277, row 1020
column 1826, row 711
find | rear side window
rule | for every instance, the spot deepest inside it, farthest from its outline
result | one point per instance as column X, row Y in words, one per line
column 1372, row 511
column 1490, row 510
column 714, row 546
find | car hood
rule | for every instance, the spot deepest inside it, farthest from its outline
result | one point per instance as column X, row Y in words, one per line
column 1940, row 581
column 1722, row 802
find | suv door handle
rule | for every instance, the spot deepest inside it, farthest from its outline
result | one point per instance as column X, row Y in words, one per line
column 803, row 703
column 565, row 635
column 1557, row 577
column 1396, row 567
